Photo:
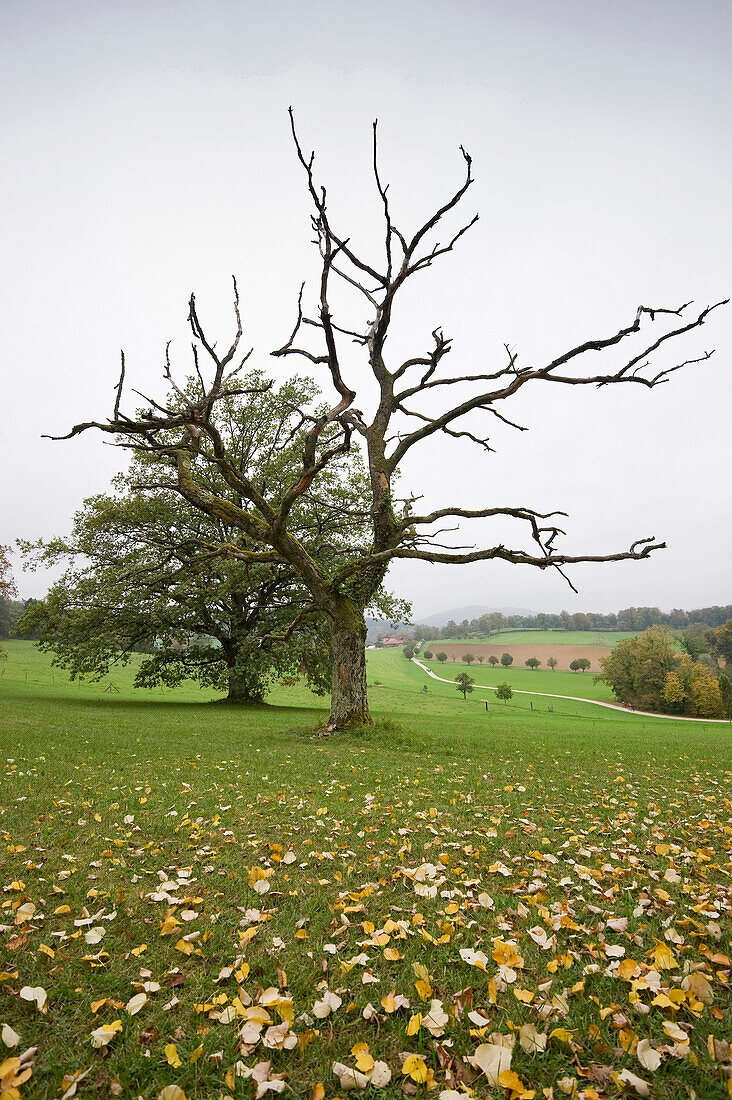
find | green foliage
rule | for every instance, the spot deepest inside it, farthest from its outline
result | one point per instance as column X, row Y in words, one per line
column 696, row 640
column 442, row 657
column 464, row 684
column 646, row 672
column 533, row 662
column 504, row 692
column 493, row 660
column 725, row 694
column 506, row 660
column 579, row 664
column 721, row 642
column 468, row 658
column 428, row 655
column 409, row 651
column 146, row 571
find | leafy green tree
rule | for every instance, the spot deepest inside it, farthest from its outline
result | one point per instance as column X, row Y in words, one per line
column 442, row 657
column 648, row 673
column 7, row 590
column 552, row 662
column 579, row 664
column 464, row 684
column 637, row 667
column 468, row 658
column 183, row 434
column 533, row 663
column 147, row 572
column 725, row 694
column 428, row 654
column 504, row 692
column 697, row 640
column 506, row 660
column 409, row 650
column 493, row 660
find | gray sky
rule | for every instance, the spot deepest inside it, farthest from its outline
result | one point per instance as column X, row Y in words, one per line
column 147, row 154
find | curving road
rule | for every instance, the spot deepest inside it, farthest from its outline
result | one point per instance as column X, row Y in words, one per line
column 579, row 699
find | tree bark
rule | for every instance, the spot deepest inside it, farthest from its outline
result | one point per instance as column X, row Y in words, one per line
column 349, row 704
column 239, row 691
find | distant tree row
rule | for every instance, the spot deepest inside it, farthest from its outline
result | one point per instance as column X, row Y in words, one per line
column 631, row 618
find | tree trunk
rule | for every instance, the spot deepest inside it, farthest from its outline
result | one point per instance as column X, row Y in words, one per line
column 239, row 691
column 349, row 704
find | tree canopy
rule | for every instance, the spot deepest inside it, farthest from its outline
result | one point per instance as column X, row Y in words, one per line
column 150, row 572
column 182, row 430
column 647, row 672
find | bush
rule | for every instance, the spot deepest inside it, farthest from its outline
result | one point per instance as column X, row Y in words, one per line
column 506, row 660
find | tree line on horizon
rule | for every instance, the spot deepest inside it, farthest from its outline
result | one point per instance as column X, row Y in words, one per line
column 629, row 619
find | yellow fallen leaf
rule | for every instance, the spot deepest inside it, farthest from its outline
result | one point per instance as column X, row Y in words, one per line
column 172, row 1092
column 364, row 1061
column 171, row 1053
column 415, row 1067
column 415, row 1022
column 663, row 957
column 509, row 1079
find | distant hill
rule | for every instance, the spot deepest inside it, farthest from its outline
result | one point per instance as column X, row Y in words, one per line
column 471, row 611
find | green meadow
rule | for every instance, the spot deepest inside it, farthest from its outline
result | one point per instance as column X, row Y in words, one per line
column 209, row 901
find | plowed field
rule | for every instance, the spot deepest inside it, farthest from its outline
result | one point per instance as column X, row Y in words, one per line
column 520, row 653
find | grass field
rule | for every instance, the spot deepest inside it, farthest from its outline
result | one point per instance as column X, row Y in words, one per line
column 546, row 637
column 203, row 892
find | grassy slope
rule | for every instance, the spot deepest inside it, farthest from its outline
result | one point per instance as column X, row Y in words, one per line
column 619, row 803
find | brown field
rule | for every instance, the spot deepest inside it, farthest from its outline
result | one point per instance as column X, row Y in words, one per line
column 563, row 653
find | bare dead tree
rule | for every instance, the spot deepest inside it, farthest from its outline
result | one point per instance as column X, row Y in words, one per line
column 184, row 434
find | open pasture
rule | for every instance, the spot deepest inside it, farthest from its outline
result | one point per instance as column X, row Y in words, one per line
column 494, row 903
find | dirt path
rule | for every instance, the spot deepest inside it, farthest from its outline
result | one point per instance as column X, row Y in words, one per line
column 579, row 699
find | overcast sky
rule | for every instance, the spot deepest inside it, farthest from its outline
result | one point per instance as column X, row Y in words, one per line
column 146, row 154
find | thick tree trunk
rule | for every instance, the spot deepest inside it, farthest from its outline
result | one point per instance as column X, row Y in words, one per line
column 239, row 691
column 349, row 704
